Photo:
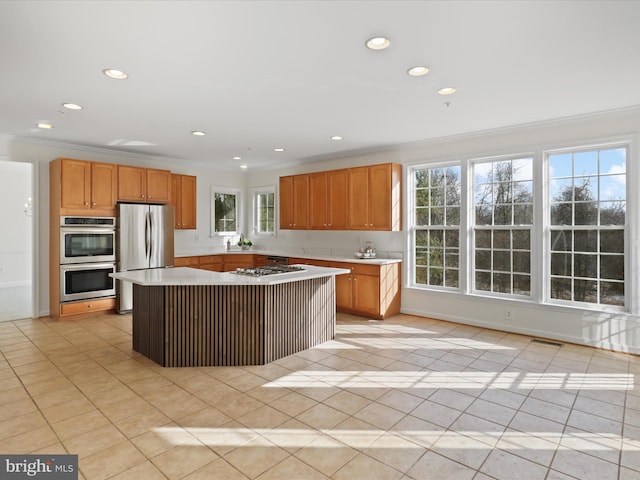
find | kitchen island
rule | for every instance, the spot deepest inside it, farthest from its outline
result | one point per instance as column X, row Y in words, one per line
column 185, row 317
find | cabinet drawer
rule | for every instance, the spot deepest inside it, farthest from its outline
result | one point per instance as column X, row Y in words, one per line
column 211, row 260
column 212, row 267
column 359, row 268
column 301, row 261
column 364, row 269
column 88, row 306
column 245, row 258
column 186, row 261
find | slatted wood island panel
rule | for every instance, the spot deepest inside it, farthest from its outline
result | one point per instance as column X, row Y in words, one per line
column 230, row 324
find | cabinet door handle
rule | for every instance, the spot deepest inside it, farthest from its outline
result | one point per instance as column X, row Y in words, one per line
column 141, row 196
column 86, row 203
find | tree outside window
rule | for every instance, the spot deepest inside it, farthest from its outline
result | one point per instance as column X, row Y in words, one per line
column 503, row 204
column 587, row 195
column 437, row 226
column 225, row 211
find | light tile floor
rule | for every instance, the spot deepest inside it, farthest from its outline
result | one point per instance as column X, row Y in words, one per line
column 408, row 398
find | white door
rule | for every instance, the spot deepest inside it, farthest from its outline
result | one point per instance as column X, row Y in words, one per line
column 16, row 240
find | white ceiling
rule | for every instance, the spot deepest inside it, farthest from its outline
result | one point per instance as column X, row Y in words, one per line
column 256, row 75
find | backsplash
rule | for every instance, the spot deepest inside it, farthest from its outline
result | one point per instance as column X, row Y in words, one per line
column 301, row 242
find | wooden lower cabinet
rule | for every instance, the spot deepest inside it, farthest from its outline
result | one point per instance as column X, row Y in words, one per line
column 238, row 260
column 218, row 263
column 213, row 263
column 308, row 261
column 371, row 290
column 193, row 262
column 74, row 310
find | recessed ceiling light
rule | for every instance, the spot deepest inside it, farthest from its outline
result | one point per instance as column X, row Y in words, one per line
column 378, row 43
column 279, row 149
column 244, row 167
column 418, row 71
column 237, row 158
column 113, row 73
column 336, row 137
column 198, row 133
column 447, row 91
column 72, row 106
column 45, row 125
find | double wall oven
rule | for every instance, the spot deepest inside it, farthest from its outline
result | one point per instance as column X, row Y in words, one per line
column 87, row 257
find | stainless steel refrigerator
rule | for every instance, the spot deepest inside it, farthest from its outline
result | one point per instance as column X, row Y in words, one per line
column 144, row 240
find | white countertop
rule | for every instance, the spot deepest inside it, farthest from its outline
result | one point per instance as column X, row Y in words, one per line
column 310, row 256
column 194, row 276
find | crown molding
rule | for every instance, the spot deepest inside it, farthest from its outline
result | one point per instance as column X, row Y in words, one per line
column 87, row 148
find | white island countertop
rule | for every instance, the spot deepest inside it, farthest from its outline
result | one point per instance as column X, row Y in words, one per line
column 194, row 276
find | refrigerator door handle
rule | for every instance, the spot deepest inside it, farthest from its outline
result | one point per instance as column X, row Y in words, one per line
column 151, row 236
column 147, row 235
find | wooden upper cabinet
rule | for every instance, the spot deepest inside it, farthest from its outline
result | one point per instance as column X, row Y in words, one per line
column 381, row 199
column 358, row 216
column 360, row 198
column 104, row 185
column 145, row 185
column 301, row 201
column 75, row 182
column 158, row 185
column 87, row 186
column 337, row 205
column 375, row 197
column 132, row 183
column 328, row 200
column 286, row 202
column 183, row 198
column 318, row 199
column 294, row 202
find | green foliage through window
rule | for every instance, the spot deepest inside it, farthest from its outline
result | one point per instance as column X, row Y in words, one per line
column 225, row 211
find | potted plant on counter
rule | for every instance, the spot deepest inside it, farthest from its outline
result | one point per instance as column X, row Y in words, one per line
column 244, row 243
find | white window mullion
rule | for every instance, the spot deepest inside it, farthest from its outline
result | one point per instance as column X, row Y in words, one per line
column 539, row 235
column 466, row 229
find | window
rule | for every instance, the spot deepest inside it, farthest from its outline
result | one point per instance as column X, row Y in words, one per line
column 587, row 198
column 436, row 239
column 225, row 210
column 473, row 227
column 503, row 205
column 264, row 222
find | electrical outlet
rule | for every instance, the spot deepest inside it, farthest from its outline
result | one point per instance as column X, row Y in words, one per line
column 508, row 315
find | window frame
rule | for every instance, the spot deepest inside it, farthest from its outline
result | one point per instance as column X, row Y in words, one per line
column 627, row 281
column 414, row 228
column 238, row 210
column 507, row 227
column 256, row 194
column 540, row 236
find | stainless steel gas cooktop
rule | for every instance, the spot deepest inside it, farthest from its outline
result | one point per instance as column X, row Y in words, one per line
column 268, row 270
